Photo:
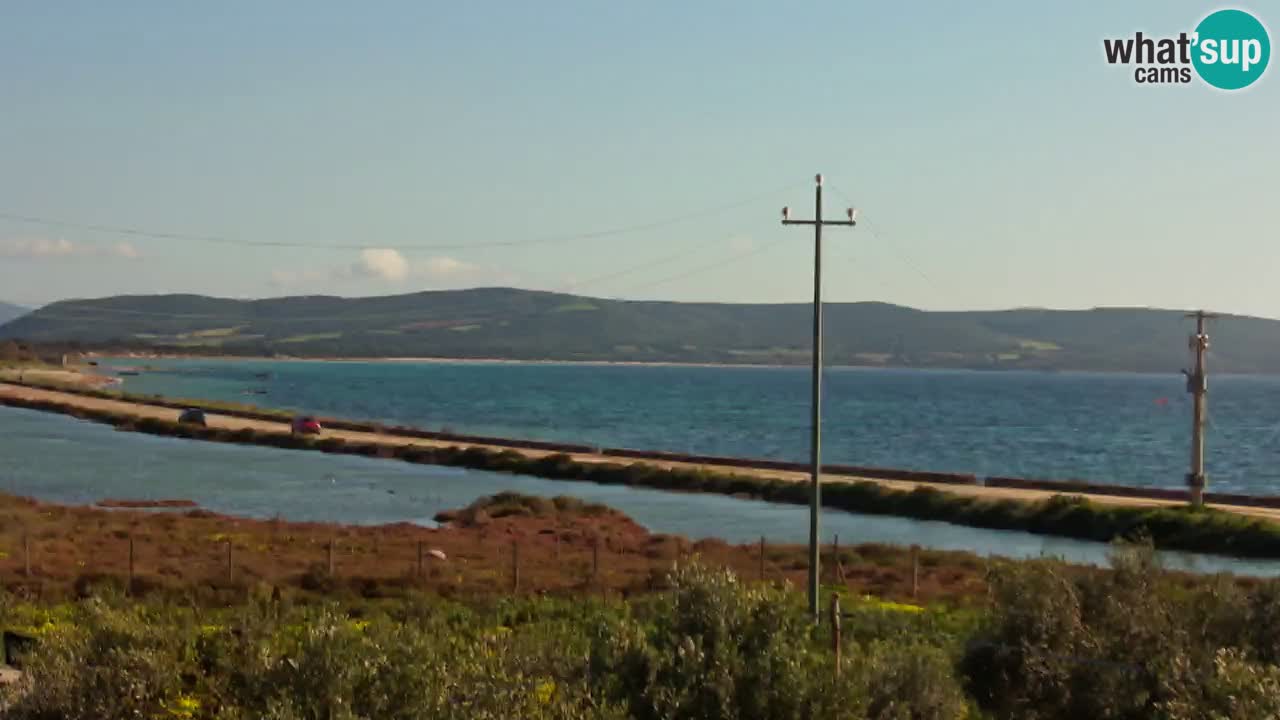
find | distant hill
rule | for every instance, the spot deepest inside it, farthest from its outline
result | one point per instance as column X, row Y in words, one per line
column 9, row 311
column 520, row 324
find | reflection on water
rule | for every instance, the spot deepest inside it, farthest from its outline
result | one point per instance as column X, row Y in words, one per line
column 56, row 458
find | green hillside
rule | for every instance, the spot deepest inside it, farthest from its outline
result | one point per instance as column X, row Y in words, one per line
column 9, row 311
column 520, row 324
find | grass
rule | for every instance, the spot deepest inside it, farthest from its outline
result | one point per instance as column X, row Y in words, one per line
column 310, row 337
column 1174, row 528
column 217, row 332
column 580, row 306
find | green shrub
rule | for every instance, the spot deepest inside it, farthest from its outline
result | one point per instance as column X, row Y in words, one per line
column 112, row 663
column 906, row 681
column 1237, row 689
column 1131, row 642
column 713, row 648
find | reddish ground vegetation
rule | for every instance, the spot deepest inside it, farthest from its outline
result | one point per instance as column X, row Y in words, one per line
column 140, row 504
column 556, row 544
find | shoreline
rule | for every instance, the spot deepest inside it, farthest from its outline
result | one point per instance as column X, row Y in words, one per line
column 430, row 360
column 139, row 547
column 1103, row 492
column 1231, row 530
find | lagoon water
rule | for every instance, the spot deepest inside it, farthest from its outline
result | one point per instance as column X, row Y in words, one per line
column 1117, row 428
column 61, row 459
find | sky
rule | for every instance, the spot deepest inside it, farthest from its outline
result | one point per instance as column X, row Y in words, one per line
column 996, row 160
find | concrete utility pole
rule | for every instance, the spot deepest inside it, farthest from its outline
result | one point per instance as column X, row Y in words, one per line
column 1198, row 386
column 815, row 438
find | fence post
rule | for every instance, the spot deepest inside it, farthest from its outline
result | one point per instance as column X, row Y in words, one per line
column 836, row 568
column 557, row 550
column 761, row 558
column 330, row 550
column 419, row 571
column 595, row 560
column 835, row 629
column 230, row 565
column 130, row 564
column 515, row 566
column 26, row 552
column 915, row 571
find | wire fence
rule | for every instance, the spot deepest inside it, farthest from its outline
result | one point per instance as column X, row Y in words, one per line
column 387, row 559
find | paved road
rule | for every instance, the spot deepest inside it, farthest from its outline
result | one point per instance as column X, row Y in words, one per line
column 235, row 423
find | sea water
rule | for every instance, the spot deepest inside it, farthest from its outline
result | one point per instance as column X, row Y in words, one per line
column 60, row 459
column 1110, row 428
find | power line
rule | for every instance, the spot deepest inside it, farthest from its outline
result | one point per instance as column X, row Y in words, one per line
column 897, row 249
column 664, row 260
column 634, row 269
column 701, row 268
column 548, row 239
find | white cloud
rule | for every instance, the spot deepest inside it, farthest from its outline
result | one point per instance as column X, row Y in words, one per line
column 36, row 248
column 384, row 263
column 61, row 248
column 389, row 265
column 443, row 267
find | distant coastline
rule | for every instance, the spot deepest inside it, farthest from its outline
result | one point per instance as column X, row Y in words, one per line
column 506, row 325
column 457, row 360
column 632, row 363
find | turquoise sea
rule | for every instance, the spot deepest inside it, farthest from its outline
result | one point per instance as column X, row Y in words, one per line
column 1112, row 428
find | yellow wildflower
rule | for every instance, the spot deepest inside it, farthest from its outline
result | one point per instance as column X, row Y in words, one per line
column 544, row 691
column 892, row 606
column 183, row 706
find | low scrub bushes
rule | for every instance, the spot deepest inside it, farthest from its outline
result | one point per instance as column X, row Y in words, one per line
column 713, row 647
column 1129, row 643
column 1132, row 642
column 710, row 647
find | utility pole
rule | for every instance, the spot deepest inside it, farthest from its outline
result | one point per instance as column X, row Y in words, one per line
column 815, row 420
column 1198, row 386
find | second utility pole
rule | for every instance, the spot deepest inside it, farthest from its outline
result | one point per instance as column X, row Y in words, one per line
column 1198, row 386
column 815, row 438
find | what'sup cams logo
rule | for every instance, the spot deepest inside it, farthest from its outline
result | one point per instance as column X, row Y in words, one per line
column 1229, row 50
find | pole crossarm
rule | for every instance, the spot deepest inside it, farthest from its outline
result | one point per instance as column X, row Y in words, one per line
column 846, row 223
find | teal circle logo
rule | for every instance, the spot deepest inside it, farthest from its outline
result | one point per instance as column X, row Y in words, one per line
column 1231, row 49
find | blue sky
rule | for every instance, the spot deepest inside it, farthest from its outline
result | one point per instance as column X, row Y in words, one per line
column 997, row 160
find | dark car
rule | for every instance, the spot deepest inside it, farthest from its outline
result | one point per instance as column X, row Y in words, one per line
column 305, row 425
column 192, row 417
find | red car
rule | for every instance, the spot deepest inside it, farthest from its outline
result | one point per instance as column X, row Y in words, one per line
column 304, row 426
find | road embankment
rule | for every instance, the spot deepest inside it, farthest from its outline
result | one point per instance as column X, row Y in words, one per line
column 1241, row 530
